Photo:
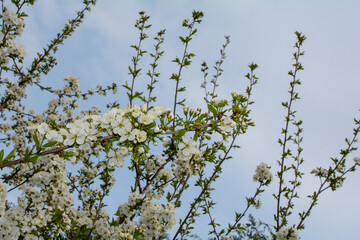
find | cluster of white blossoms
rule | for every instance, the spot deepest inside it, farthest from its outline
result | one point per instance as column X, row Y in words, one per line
column 227, row 125
column 8, row 224
column 128, row 123
column 72, row 85
column 45, row 191
column 154, row 163
column 47, row 196
column 152, row 166
column 63, row 180
column 131, row 126
column 117, row 157
column 13, row 49
column 124, row 121
column 262, row 173
column 81, row 132
column 319, row 172
column 287, row 233
column 9, row 48
column 187, row 147
column 16, row 49
column 10, row 18
column 156, row 219
column 165, row 174
column 188, row 157
column 15, row 89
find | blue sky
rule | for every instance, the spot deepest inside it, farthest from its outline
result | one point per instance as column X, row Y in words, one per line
column 260, row 31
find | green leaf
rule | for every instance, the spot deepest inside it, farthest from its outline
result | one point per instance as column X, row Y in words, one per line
column 1, row 155
column 181, row 133
column 187, row 62
column 16, row 2
column 36, row 140
column 68, row 154
column 33, row 158
column 182, row 39
column 200, row 118
column 152, row 125
column 146, row 147
column 50, row 144
column 8, row 157
column 212, row 109
column 130, row 70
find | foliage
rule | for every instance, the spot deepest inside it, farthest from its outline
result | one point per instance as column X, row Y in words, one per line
column 65, row 165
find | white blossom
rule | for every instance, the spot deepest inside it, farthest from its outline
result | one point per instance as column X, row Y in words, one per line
column 262, row 173
column 11, row 19
column 227, row 125
column 319, row 172
column 287, row 233
column 16, row 49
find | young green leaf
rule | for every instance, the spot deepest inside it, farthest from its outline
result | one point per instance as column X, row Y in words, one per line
column 212, row 109
column 9, row 156
column 50, row 144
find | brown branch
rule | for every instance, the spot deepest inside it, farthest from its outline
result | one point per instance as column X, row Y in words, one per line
column 51, row 151
column 327, row 179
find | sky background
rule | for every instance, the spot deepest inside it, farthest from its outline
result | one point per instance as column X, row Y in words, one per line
column 261, row 31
